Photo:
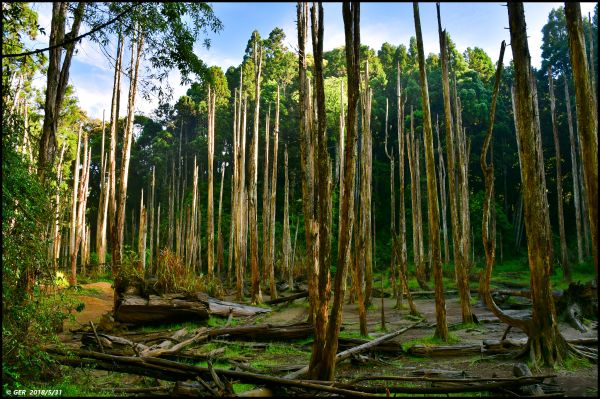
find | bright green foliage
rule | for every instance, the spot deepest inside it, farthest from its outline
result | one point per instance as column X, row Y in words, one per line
column 480, row 62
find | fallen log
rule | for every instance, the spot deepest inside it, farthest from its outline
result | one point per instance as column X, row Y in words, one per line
column 288, row 298
column 169, row 308
column 173, row 371
column 521, row 370
column 389, row 347
column 444, row 350
column 223, row 308
column 355, row 350
column 265, row 331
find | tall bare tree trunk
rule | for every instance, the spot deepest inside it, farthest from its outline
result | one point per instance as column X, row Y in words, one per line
column 157, row 237
column 287, row 246
column 434, row 228
column 322, row 364
column 209, row 208
column 102, row 208
column 307, row 161
column 266, row 204
column 393, row 259
column 128, row 134
column 460, row 257
column 574, row 172
column 57, row 79
column 219, row 234
column 73, row 233
column 112, row 161
column 366, row 244
column 151, row 248
column 256, row 295
column 442, row 175
column 272, row 287
column 545, row 343
column 587, row 119
column 559, row 192
column 57, row 234
column 593, row 55
column 401, row 246
column 142, row 235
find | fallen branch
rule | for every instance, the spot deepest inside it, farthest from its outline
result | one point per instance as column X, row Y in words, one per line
column 357, row 349
column 289, row 298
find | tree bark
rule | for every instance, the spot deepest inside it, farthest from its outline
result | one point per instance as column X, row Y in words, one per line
column 587, row 119
column 434, row 228
column 366, row 244
column 287, row 246
column 73, row 232
column 57, row 235
column 324, row 366
column 57, row 79
column 574, row 172
column 142, row 235
column 265, row 201
column 209, row 208
column 272, row 286
column 256, row 296
column 119, row 228
column 442, row 175
column 151, row 249
column 219, row 234
column 546, row 344
column 102, row 205
column 564, row 255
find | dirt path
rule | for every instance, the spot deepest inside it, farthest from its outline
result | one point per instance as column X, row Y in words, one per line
column 95, row 306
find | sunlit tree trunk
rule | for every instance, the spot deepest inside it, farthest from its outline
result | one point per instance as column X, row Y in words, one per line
column 56, row 239
column 393, row 259
column 151, row 248
column 366, row 244
column 266, row 204
column 286, row 251
column 545, row 343
column 307, row 160
column 219, row 234
column 118, row 230
column 209, row 207
column 323, row 365
column 441, row 330
column 587, row 119
column 102, row 202
column 256, row 296
column 272, row 287
column 73, row 232
column 112, row 161
column 57, row 79
column 564, row 256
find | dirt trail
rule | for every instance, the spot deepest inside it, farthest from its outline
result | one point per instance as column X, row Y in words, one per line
column 95, row 306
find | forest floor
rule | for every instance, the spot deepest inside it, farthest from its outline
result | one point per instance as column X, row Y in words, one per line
column 576, row 378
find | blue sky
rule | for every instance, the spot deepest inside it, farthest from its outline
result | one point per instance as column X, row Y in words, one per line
column 469, row 24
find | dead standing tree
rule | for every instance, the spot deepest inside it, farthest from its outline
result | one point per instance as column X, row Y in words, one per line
column 564, row 256
column 587, row 119
column 256, row 296
column 434, row 233
column 457, row 222
column 272, row 286
column 210, row 223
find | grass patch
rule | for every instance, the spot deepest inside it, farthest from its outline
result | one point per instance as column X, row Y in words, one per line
column 353, row 335
column 283, row 349
column 79, row 290
column 215, row 321
column 239, row 388
column 574, row 363
column 188, row 325
column 430, row 341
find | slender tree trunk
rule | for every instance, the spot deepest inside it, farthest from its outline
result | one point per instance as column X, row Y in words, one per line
column 73, row 234
column 151, row 248
column 593, row 56
column 434, row 234
column 272, row 286
column 112, row 162
column 142, row 235
column 559, row 192
column 256, row 295
column 366, row 244
column 209, row 208
column 402, row 255
column 157, row 238
column 574, row 172
column 545, row 343
column 587, row 119
column 128, row 134
column 307, row 161
column 341, row 163
column 101, row 218
column 323, row 358
column 286, row 251
column 442, row 174
column 57, row 79
column 460, row 258
column 219, row 234
column 56, row 235
column 393, row 259
column 266, row 204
